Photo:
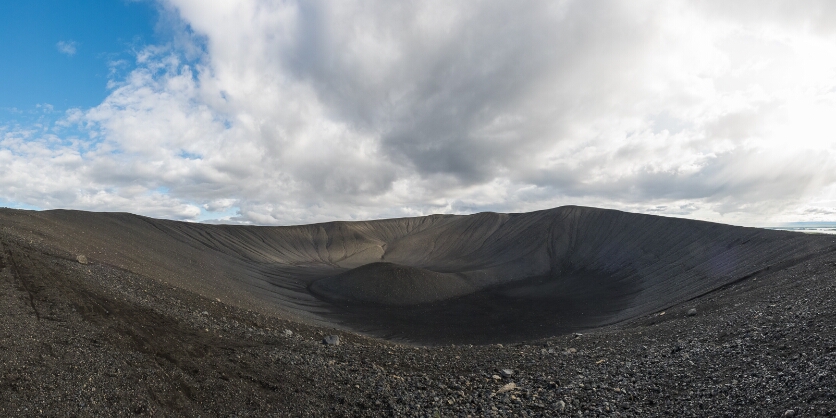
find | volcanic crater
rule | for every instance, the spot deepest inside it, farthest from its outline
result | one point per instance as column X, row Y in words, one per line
column 563, row 312
column 483, row 278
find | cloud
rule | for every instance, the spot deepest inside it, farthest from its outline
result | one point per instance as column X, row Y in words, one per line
column 219, row 205
column 68, row 48
column 820, row 211
column 291, row 112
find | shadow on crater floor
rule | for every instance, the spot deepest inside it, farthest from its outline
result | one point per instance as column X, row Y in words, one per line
column 526, row 309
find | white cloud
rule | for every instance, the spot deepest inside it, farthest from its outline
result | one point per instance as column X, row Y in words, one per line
column 296, row 112
column 219, row 205
column 67, row 47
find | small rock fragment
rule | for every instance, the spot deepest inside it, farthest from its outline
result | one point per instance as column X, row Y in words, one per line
column 507, row 388
column 331, row 340
column 560, row 406
column 571, row 350
column 506, row 372
column 82, row 259
column 288, row 333
column 789, row 413
column 692, row 312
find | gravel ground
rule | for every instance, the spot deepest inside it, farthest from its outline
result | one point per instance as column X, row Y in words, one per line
column 93, row 340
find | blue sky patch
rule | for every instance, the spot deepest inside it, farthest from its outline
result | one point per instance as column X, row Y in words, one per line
column 62, row 53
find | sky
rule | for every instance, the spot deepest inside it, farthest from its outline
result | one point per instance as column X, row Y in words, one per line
column 290, row 112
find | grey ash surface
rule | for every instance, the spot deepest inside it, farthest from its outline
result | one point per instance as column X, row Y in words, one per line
column 104, row 339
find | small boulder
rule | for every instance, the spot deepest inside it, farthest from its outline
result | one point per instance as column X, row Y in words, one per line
column 789, row 413
column 331, row 340
column 82, row 259
column 692, row 312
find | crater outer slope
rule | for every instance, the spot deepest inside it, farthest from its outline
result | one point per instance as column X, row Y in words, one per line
column 443, row 278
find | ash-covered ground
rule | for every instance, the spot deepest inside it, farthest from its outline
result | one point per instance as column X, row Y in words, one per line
column 100, row 339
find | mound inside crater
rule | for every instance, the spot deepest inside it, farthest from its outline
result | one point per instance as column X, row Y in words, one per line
column 391, row 284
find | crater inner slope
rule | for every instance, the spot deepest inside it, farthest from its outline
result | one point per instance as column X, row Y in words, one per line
column 480, row 278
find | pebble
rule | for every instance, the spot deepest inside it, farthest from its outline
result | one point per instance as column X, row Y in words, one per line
column 288, row 333
column 506, row 372
column 507, row 388
column 82, row 259
column 692, row 312
column 789, row 413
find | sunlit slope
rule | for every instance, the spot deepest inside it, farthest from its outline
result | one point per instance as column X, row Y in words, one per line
column 598, row 265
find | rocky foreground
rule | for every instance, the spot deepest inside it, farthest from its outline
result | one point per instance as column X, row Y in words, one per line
column 94, row 340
